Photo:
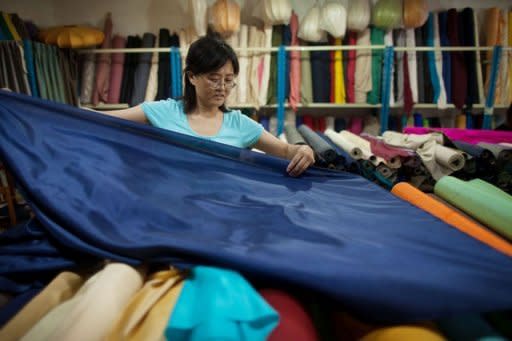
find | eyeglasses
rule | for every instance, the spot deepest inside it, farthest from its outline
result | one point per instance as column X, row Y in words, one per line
column 216, row 84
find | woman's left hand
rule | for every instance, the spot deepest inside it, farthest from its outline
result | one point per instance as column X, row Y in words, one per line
column 302, row 159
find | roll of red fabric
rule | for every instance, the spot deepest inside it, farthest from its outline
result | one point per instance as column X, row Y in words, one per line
column 294, row 322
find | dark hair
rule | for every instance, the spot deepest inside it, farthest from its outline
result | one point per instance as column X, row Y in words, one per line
column 206, row 54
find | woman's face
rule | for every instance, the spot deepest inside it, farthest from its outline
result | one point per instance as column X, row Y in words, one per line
column 213, row 88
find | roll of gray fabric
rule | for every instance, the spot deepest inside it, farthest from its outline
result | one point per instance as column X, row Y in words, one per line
column 292, row 135
column 322, row 148
column 142, row 71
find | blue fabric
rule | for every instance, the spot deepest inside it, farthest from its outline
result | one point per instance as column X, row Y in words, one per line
column 431, row 57
column 29, row 61
column 489, row 101
column 386, row 88
column 447, row 70
column 237, row 129
column 219, row 304
column 129, row 192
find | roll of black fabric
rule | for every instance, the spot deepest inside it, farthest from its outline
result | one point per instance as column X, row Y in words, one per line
column 292, row 135
column 322, row 148
column 467, row 38
column 130, row 61
column 458, row 64
column 321, row 75
column 420, row 65
column 164, row 74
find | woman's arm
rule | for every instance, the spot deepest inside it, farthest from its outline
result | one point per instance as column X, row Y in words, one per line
column 133, row 114
column 301, row 156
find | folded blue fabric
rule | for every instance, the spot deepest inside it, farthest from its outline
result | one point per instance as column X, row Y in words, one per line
column 219, row 304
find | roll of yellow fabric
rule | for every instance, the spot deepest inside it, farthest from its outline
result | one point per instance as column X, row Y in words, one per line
column 225, row 17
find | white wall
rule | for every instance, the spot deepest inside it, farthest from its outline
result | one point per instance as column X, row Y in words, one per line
column 139, row 16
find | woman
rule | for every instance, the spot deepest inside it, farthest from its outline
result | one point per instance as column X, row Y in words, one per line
column 211, row 68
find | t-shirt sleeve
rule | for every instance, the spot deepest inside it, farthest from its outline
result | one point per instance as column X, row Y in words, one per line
column 160, row 113
column 250, row 130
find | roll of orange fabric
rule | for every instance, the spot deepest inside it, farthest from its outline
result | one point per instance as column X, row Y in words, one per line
column 415, row 13
column 419, row 199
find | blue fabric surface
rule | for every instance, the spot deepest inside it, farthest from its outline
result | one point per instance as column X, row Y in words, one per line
column 219, row 304
column 130, row 192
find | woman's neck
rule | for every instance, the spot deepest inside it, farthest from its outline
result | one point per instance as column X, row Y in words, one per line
column 204, row 110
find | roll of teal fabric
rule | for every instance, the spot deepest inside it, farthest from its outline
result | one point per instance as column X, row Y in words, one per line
column 218, row 304
column 481, row 200
column 377, row 38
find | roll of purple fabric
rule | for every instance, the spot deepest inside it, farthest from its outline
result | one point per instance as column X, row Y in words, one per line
column 116, row 70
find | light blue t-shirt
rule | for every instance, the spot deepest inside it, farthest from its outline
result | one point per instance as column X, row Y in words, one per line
column 237, row 129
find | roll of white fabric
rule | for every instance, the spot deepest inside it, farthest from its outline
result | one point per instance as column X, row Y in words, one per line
column 267, row 42
column 347, row 145
column 388, row 41
column 333, row 19
column 410, row 141
column 243, row 61
column 152, row 87
column 410, row 41
column 363, row 74
column 309, row 28
column 449, row 158
column 329, row 122
column 364, row 146
column 358, row 16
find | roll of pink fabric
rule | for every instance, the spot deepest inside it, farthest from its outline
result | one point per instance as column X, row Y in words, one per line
column 101, row 84
column 116, row 70
column 467, row 135
column 294, row 64
column 351, row 68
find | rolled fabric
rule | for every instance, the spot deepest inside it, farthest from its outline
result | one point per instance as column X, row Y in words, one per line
column 137, row 320
column 441, row 99
column 409, row 140
column 385, row 171
column 116, row 70
column 164, row 73
column 377, row 38
column 443, row 35
column 364, row 145
column 501, row 153
column 358, row 15
column 363, row 83
column 472, row 136
column 100, row 92
column 449, row 158
column 60, row 289
column 458, row 65
column 322, row 148
column 348, row 146
column 98, row 303
column 306, row 86
column 415, row 13
column 225, row 17
column 403, row 333
column 220, row 304
column 292, row 135
column 309, row 27
column 467, row 27
column 152, row 85
column 295, row 66
column 387, row 14
column 87, row 79
column 481, row 200
column 294, row 322
column 141, row 74
column 450, row 216
column 412, row 61
column 333, row 18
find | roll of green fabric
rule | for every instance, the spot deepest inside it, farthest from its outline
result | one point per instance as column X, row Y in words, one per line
column 481, row 200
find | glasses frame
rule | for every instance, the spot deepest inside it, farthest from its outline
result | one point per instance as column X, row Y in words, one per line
column 216, row 85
